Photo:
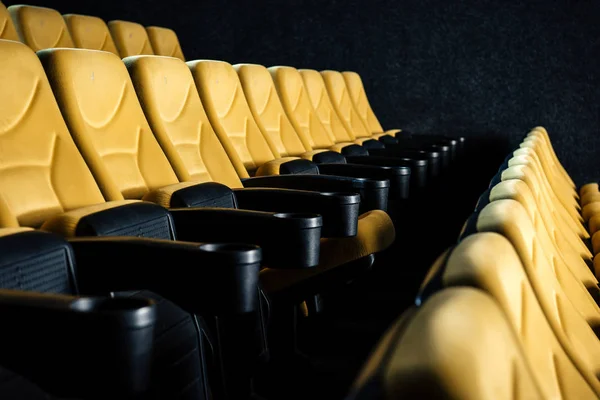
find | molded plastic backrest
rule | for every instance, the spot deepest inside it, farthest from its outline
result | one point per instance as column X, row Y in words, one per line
column 268, row 112
column 168, row 95
column 223, row 98
column 105, row 118
column 315, row 86
column 40, row 28
column 298, row 107
column 130, row 38
column 7, row 27
column 489, row 262
column 164, row 42
column 360, row 100
column 458, row 345
column 41, row 171
column 342, row 103
column 90, row 33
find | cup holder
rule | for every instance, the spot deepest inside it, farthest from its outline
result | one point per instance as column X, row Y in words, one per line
column 108, row 304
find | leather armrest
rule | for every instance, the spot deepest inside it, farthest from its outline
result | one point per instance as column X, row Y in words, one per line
column 339, row 210
column 418, row 166
column 373, row 192
column 399, row 176
column 433, row 157
column 202, row 278
column 288, row 240
column 78, row 347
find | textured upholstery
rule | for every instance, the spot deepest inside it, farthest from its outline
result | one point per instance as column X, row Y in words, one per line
column 164, row 42
column 343, row 105
column 458, row 345
column 40, row 27
column 299, row 108
column 225, row 104
column 268, row 112
column 130, row 38
column 7, row 27
column 99, row 104
column 41, row 171
column 168, row 95
column 558, row 343
column 90, row 33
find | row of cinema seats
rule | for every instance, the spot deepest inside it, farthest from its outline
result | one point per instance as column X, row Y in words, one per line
column 196, row 205
column 512, row 310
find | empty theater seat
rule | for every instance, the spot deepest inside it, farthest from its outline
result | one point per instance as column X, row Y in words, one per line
column 7, row 27
column 458, row 345
column 90, row 33
column 130, row 38
column 46, row 184
column 40, row 27
column 164, row 42
column 81, row 335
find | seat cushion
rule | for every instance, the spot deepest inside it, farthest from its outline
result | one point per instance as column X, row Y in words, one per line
column 375, row 233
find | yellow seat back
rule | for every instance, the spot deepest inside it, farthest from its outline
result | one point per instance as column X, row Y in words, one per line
column 90, row 33
column 164, row 42
column 298, row 107
column 342, row 104
column 223, row 98
column 458, row 345
column 538, row 313
column 7, row 27
column 317, row 92
column 359, row 98
column 41, row 171
column 40, row 27
column 168, row 95
column 130, row 38
column 99, row 104
column 268, row 112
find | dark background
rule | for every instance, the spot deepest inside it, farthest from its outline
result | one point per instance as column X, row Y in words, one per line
column 490, row 69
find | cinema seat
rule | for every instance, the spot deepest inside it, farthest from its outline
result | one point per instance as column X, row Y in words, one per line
column 40, row 28
column 81, row 334
column 282, row 138
column 7, row 27
column 165, row 42
column 458, row 345
column 130, row 38
column 547, row 325
column 90, row 33
column 46, row 184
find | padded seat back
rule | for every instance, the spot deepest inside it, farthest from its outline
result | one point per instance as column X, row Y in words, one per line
column 7, row 27
column 223, row 98
column 298, row 107
column 130, row 38
column 41, row 171
column 40, row 28
column 458, row 345
column 568, row 307
column 99, row 104
column 343, row 105
column 359, row 98
column 566, row 367
column 317, row 92
column 90, row 33
column 268, row 112
column 167, row 92
column 543, row 134
column 164, row 42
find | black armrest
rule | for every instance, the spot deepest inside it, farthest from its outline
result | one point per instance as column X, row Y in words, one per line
column 433, row 157
column 339, row 210
column 201, row 278
column 288, row 240
column 89, row 348
column 399, row 176
column 373, row 192
column 418, row 166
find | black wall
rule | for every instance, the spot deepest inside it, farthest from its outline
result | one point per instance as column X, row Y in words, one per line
column 488, row 68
